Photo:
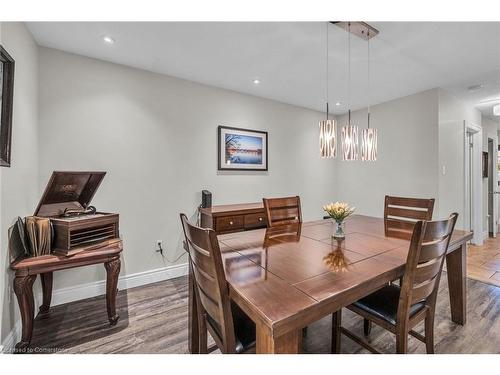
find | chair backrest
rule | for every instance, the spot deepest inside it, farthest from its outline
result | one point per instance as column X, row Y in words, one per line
column 281, row 211
column 283, row 233
column 401, row 214
column 428, row 247
column 211, row 288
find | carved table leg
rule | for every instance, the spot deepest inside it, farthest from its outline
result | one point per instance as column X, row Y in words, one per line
column 112, row 272
column 23, row 287
column 47, row 293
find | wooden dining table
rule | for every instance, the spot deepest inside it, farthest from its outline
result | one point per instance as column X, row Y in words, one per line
column 287, row 280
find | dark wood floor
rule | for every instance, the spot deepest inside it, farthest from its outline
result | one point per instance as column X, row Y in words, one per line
column 153, row 319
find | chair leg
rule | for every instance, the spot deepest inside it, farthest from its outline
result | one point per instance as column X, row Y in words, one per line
column 336, row 324
column 203, row 334
column 401, row 342
column 429, row 334
column 304, row 332
column 367, row 327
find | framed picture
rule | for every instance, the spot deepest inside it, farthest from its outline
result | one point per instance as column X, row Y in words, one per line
column 6, row 101
column 242, row 149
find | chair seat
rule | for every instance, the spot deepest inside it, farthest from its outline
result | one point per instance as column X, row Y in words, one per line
column 384, row 302
column 244, row 329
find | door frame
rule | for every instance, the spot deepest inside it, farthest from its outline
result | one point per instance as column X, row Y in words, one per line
column 477, row 180
column 493, row 172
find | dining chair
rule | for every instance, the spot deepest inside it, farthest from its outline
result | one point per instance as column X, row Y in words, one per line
column 400, row 309
column 401, row 214
column 281, row 211
column 231, row 329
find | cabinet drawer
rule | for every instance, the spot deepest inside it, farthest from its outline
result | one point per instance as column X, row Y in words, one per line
column 255, row 221
column 229, row 223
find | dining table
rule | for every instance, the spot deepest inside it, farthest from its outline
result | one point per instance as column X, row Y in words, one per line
column 287, row 278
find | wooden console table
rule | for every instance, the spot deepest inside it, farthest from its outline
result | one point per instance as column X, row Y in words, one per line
column 27, row 269
column 234, row 217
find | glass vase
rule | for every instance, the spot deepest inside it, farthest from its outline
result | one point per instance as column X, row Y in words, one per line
column 339, row 229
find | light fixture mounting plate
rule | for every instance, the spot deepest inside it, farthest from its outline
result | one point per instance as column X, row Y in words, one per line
column 358, row 28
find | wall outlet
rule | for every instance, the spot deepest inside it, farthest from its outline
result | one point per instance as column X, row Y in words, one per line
column 159, row 246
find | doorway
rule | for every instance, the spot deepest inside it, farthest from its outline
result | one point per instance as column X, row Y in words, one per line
column 473, row 181
column 492, row 187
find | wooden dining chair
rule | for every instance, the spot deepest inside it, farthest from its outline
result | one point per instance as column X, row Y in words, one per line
column 401, row 214
column 231, row 329
column 281, row 211
column 399, row 309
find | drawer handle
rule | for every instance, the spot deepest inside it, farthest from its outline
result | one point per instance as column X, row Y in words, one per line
column 230, row 223
column 260, row 219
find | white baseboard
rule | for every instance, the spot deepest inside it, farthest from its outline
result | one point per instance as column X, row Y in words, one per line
column 12, row 338
column 97, row 288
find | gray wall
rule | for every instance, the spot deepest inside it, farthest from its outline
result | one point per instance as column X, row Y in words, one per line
column 407, row 154
column 452, row 114
column 156, row 137
column 19, row 184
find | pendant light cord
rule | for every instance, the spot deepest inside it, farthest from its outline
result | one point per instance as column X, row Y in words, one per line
column 369, row 86
column 349, row 68
column 327, row 98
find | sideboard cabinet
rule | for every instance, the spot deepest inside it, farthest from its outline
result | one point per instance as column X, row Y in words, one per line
column 234, row 217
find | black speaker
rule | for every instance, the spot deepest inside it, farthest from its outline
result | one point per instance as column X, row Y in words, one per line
column 206, row 199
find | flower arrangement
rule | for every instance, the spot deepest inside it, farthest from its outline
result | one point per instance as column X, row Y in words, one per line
column 339, row 211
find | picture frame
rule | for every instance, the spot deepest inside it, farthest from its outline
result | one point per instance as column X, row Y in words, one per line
column 241, row 149
column 6, row 105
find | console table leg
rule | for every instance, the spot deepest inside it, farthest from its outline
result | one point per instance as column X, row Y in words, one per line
column 23, row 287
column 112, row 272
column 47, row 293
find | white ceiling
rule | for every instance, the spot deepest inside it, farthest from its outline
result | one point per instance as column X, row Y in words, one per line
column 289, row 57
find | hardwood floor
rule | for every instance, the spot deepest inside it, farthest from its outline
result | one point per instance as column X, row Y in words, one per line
column 483, row 262
column 153, row 319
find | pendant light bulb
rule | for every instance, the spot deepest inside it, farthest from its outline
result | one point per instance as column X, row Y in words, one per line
column 369, row 141
column 327, row 128
column 349, row 134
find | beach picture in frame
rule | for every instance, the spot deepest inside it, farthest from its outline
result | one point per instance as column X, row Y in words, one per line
column 242, row 149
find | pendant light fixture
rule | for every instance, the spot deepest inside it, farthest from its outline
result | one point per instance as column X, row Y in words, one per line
column 349, row 134
column 327, row 128
column 369, row 135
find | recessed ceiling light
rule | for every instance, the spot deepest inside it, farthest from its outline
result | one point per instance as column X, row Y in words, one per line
column 108, row 39
column 338, row 104
column 475, row 87
column 256, row 81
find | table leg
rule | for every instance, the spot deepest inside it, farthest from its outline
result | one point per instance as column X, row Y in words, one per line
column 193, row 328
column 336, row 333
column 289, row 343
column 47, row 293
column 23, row 287
column 112, row 271
column 456, row 269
